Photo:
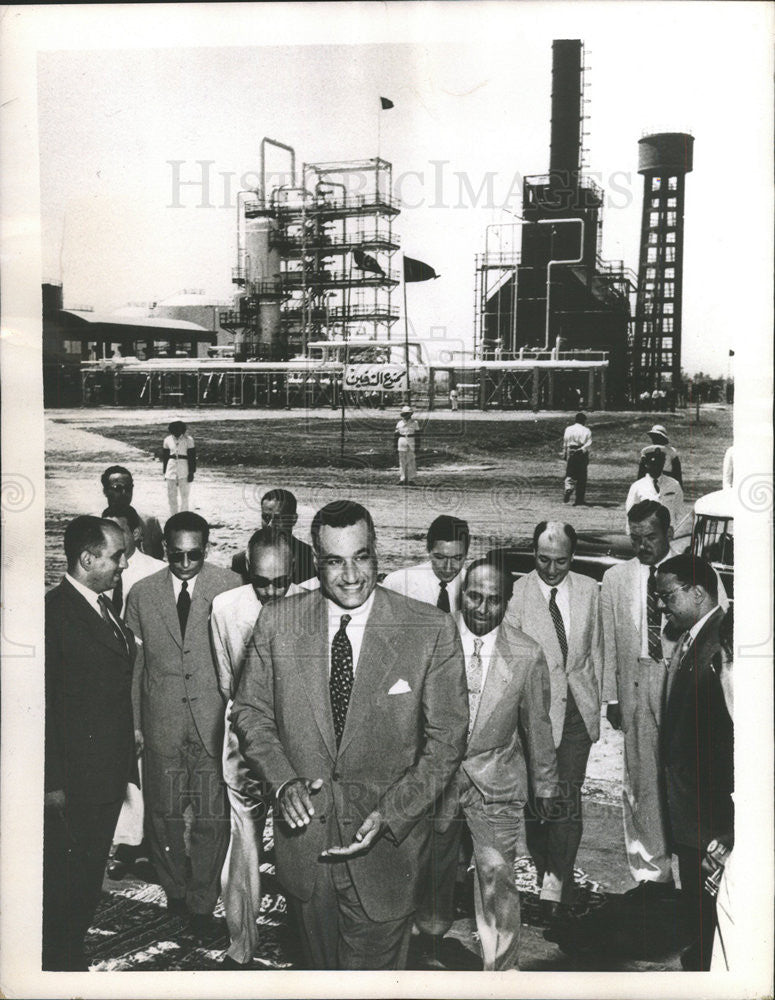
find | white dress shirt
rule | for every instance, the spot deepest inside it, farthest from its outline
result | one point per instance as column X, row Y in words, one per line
column 355, row 627
column 84, row 591
column 577, row 436
column 562, row 599
column 178, row 584
column 670, row 495
column 421, row 583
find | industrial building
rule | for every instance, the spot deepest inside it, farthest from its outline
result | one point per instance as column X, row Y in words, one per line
column 556, row 296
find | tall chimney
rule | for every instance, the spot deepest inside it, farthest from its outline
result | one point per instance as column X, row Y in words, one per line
column 565, row 154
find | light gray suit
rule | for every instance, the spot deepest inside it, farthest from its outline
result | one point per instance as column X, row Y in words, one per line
column 179, row 708
column 404, row 736
column 574, row 713
column 489, row 793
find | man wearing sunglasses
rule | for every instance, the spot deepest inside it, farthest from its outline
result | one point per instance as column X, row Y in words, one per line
column 235, row 612
column 179, row 714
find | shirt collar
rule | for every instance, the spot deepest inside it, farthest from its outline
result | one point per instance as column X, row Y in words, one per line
column 467, row 637
column 546, row 590
column 177, row 584
column 694, row 631
column 358, row 616
column 85, row 592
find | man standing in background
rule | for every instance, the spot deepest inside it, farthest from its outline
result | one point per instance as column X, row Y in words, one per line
column 118, row 487
column 436, row 581
column 407, row 436
column 576, row 445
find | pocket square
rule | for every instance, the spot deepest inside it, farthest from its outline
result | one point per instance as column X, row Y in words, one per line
column 400, row 687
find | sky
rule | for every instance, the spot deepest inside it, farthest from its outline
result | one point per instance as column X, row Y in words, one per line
column 122, row 128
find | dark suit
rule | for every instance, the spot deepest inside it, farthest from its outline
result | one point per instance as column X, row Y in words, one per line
column 403, row 739
column 697, row 757
column 303, row 562
column 180, row 711
column 90, row 755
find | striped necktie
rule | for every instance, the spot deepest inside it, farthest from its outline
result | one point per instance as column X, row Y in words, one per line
column 653, row 617
column 110, row 617
column 559, row 625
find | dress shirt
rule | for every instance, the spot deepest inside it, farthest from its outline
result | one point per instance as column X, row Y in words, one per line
column 670, row 495
column 407, row 431
column 488, row 645
column 177, row 585
column 84, row 591
column 355, row 627
column 139, row 565
column 421, row 583
column 562, row 598
column 577, row 436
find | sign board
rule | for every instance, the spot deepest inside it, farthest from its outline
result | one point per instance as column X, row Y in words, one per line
column 375, row 377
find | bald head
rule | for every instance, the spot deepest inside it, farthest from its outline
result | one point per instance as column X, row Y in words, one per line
column 553, row 544
column 270, row 564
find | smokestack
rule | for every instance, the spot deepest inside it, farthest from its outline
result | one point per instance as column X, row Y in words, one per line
column 565, row 155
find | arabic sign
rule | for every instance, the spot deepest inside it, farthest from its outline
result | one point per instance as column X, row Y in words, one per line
column 383, row 378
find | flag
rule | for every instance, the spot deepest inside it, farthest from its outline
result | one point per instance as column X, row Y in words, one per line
column 731, row 354
column 416, row 270
column 386, row 104
column 366, row 263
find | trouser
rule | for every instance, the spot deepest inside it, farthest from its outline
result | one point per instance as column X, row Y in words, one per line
column 699, row 906
column 75, row 850
column 172, row 783
column 576, row 474
column 407, row 466
column 129, row 828
column 241, row 875
column 645, row 834
column 554, row 843
column 336, row 933
column 729, row 952
column 494, row 831
column 173, row 487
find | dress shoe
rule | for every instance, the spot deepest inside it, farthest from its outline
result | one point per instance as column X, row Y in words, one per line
column 116, row 870
column 176, row 906
column 202, row 925
column 227, row 962
column 648, row 891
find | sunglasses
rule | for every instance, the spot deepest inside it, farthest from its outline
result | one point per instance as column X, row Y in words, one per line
column 193, row 555
column 278, row 583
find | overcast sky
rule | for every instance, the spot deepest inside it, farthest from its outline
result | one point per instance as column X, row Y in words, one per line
column 471, row 85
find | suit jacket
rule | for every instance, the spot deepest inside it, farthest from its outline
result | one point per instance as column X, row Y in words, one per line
column 697, row 744
column 398, row 750
column 529, row 610
column 622, row 611
column 303, row 562
column 175, row 681
column 515, row 701
column 90, row 746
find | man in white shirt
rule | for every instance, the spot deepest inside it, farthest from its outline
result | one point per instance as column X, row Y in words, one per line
column 438, row 580
column 233, row 619
column 407, row 435
column 576, row 446
column 655, row 485
column 508, row 688
column 128, row 838
column 118, row 487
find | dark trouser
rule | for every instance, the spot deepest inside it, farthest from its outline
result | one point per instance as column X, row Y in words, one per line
column 75, row 851
column 699, row 907
column 436, row 900
column 576, row 474
column 336, row 933
column 553, row 844
column 191, row 778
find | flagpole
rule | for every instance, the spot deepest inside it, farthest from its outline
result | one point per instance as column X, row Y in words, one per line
column 406, row 334
column 346, row 335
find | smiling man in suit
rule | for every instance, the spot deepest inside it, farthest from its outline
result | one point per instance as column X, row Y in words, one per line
column 90, row 744
column 508, row 695
column 352, row 707
column 560, row 610
column 179, row 716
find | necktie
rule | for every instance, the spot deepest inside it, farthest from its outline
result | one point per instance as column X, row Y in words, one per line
column 653, row 617
column 184, row 606
column 474, row 673
column 341, row 679
column 443, row 598
column 559, row 625
column 110, row 617
column 656, row 484
column 118, row 596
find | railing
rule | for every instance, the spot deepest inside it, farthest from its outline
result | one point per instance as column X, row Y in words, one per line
column 356, row 276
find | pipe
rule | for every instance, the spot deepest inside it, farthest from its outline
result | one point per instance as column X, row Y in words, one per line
column 575, row 260
column 280, row 145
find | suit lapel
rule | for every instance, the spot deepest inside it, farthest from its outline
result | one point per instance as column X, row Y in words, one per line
column 537, row 617
column 633, row 592
column 499, row 677
column 168, row 607
column 94, row 623
column 577, row 619
column 310, row 651
column 375, row 658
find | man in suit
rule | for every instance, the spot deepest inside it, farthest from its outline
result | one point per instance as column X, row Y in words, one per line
column 696, row 743
column 438, row 580
column 509, row 697
column 90, row 742
column 128, row 836
column 278, row 511
column 560, row 610
column 179, row 711
column 118, row 487
column 234, row 617
column 352, row 706
column 637, row 644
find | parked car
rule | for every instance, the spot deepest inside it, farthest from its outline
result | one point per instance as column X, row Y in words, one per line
column 713, row 534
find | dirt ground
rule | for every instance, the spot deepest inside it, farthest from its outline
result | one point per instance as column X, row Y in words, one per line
column 500, row 471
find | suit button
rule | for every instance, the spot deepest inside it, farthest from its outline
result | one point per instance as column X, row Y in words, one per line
column 184, row 700
column 336, row 776
column 322, row 819
column 188, row 677
column 636, row 683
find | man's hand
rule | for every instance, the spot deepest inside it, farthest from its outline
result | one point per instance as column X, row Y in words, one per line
column 139, row 742
column 55, row 801
column 295, row 802
column 365, row 836
column 613, row 713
